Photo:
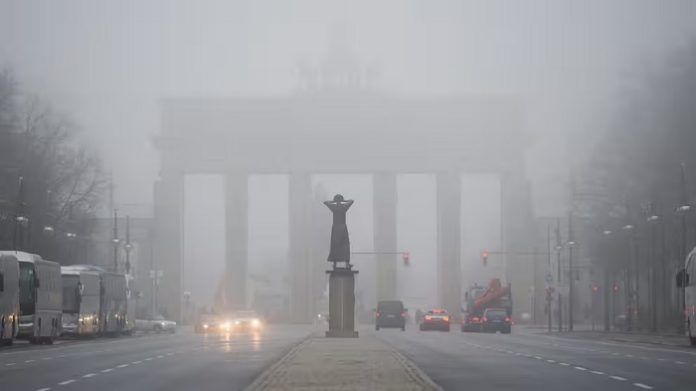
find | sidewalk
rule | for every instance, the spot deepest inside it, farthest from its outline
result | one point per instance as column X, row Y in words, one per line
column 363, row 363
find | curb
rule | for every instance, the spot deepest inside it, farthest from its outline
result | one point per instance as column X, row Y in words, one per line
column 414, row 372
column 266, row 376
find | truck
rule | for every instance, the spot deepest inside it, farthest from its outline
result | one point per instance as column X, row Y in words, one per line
column 9, row 298
column 80, row 301
column 479, row 298
column 40, row 298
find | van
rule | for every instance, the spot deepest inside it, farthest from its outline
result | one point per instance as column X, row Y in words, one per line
column 390, row 314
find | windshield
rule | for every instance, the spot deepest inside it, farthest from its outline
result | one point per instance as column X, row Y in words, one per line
column 71, row 294
column 27, row 288
column 390, row 306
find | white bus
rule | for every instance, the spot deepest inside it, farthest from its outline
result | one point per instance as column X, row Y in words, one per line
column 686, row 280
column 81, row 301
column 40, row 298
column 113, row 294
column 9, row 298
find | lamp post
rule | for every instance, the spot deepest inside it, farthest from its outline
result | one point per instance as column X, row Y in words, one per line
column 653, row 219
column 630, row 303
column 115, row 240
column 683, row 209
column 607, row 323
column 558, row 249
column 571, row 244
column 128, row 246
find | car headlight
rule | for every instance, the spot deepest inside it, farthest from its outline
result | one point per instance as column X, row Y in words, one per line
column 226, row 325
column 205, row 326
column 255, row 322
column 237, row 323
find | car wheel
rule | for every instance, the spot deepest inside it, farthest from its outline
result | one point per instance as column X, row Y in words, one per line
column 377, row 328
column 403, row 328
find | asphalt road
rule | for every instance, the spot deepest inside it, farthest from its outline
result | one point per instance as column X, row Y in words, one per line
column 527, row 360
column 182, row 361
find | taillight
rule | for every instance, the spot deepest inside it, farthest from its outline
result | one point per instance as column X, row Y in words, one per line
column 403, row 314
column 475, row 319
column 507, row 319
column 428, row 317
column 484, row 319
column 377, row 314
column 446, row 318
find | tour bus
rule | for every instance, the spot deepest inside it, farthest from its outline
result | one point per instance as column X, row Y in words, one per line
column 81, row 300
column 9, row 298
column 686, row 280
column 40, row 298
column 113, row 292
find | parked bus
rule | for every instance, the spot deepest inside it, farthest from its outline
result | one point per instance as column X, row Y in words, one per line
column 40, row 298
column 113, row 292
column 686, row 280
column 9, row 298
column 81, row 301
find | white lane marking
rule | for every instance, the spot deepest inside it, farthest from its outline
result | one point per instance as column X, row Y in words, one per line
column 136, row 362
column 89, row 375
column 660, row 359
column 43, row 389
column 565, row 364
column 551, row 361
column 29, row 360
column 680, row 362
column 643, row 386
column 619, row 378
column 170, row 354
column 628, row 355
column 615, row 354
column 9, row 364
column 107, row 370
column 122, row 366
column 63, row 383
column 580, row 368
column 160, row 356
column 538, row 358
column 597, row 372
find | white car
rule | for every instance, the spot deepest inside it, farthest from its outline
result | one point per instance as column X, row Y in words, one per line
column 155, row 323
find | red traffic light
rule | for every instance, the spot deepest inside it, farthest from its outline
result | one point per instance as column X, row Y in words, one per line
column 406, row 257
column 595, row 288
column 484, row 257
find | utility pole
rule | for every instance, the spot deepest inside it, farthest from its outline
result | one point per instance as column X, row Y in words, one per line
column 128, row 245
column 684, row 209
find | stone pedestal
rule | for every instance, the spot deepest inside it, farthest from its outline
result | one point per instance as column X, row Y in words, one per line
column 342, row 303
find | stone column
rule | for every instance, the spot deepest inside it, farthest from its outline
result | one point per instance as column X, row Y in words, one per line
column 168, row 243
column 236, row 234
column 517, row 229
column 384, row 231
column 448, row 243
column 299, row 209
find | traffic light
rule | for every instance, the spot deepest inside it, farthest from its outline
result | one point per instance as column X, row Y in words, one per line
column 406, row 257
column 484, row 257
column 595, row 288
column 615, row 288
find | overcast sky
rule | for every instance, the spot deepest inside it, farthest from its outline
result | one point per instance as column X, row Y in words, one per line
column 108, row 63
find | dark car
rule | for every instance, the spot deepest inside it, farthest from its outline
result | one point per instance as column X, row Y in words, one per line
column 207, row 324
column 496, row 319
column 436, row 319
column 390, row 314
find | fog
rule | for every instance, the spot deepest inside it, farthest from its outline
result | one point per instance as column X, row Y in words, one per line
column 109, row 64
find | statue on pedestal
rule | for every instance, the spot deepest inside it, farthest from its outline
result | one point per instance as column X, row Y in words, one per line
column 340, row 242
